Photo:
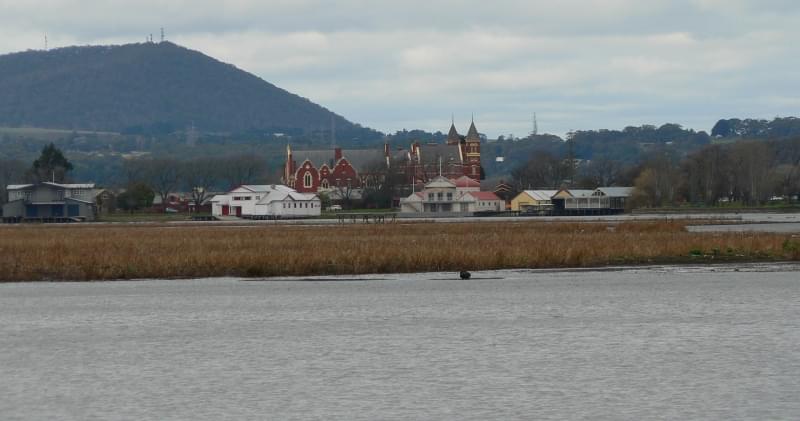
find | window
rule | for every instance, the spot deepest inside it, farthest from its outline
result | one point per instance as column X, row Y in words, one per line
column 430, row 196
column 307, row 182
column 449, row 196
column 440, row 196
column 325, row 184
column 60, row 195
column 27, row 195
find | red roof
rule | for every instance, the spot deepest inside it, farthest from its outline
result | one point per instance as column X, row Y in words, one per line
column 464, row 181
column 484, row 195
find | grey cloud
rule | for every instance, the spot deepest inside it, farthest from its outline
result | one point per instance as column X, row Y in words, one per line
column 577, row 63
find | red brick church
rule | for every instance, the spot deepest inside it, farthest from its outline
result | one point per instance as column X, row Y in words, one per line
column 356, row 168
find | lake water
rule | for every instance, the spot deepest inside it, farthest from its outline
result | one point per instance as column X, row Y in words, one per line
column 650, row 343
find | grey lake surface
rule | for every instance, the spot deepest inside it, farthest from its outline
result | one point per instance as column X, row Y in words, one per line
column 649, row 343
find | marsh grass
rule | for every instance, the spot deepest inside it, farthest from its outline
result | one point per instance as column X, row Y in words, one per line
column 35, row 253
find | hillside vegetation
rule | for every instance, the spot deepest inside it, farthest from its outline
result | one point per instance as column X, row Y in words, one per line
column 152, row 88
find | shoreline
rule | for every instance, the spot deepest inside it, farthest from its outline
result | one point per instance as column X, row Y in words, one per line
column 710, row 267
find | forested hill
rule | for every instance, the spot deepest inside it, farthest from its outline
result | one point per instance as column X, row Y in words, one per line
column 149, row 87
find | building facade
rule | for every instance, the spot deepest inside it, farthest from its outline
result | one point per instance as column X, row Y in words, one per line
column 50, row 202
column 315, row 171
column 442, row 195
column 266, row 201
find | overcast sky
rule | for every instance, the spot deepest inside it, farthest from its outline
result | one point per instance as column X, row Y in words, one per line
column 578, row 64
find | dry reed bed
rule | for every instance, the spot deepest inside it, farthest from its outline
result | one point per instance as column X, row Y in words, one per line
column 31, row 253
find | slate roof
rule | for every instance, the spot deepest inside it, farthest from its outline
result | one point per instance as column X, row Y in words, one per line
column 358, row 158
column 429, row 154
column 453, row 136
column 472, row 134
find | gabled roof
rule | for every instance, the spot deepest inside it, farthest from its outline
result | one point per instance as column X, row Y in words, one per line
column 358, row 158
column 472, row 134
column 576, row 193
column 465, row 182
column 541, row 194
column 70, row 186
column 262, row 188
column 440, row 182
column 286, row 195
column 615, row 191
column 50, row 184
column 483, row 195
column 450, row 154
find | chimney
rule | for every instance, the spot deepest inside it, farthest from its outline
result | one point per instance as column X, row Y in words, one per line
column 386, row 149
column 337, row 154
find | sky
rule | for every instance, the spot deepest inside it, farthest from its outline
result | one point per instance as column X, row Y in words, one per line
column 393, row 65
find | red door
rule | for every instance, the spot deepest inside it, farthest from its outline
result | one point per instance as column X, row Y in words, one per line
column 238, row 211
column 226, row 210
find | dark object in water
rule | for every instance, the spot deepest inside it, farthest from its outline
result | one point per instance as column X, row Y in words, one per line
column 464, row 274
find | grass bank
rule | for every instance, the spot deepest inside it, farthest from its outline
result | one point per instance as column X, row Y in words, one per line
column 35, row 253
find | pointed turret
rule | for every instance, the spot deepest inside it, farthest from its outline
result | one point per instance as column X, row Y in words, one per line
column 453, row 137
column 472, row 134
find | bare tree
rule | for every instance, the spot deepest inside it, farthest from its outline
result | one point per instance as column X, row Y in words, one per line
column 241, row 169
column 543, row 170
column 162, row 176
column 199, row 176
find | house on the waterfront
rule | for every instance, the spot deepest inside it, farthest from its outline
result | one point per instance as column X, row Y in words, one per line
column 266, row 201
column 444, row 196
column 50, row 202
column 603, row 200
column 533, row 200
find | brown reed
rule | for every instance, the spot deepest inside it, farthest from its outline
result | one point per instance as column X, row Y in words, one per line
column 36, row 253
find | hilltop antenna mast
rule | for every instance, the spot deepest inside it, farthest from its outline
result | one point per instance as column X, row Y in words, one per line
column 45, row 42
column 162, row 34
column 535, row 126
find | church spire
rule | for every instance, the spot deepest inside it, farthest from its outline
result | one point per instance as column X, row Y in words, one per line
column 472, row 134
column 453, row 138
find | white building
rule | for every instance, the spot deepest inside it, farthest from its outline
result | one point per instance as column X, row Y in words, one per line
column 266, row 201
column 442, row 195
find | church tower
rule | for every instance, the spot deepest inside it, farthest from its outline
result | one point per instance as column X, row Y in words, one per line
column 472, row 153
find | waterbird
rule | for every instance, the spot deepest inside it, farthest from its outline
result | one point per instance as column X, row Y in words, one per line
column 464, row 274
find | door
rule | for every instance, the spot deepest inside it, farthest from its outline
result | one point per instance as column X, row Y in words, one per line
column 57, row 211
column 226, row 210
column 238, row 211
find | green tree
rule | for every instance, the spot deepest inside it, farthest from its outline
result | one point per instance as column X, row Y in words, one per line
column 138, row 196
column 51, row 165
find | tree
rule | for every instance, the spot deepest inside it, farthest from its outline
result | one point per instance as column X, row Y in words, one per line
column 241, row 169
column 543, row 170
column 199, row 176
column 51, row 165
column 137, row 196
column 162, row 176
